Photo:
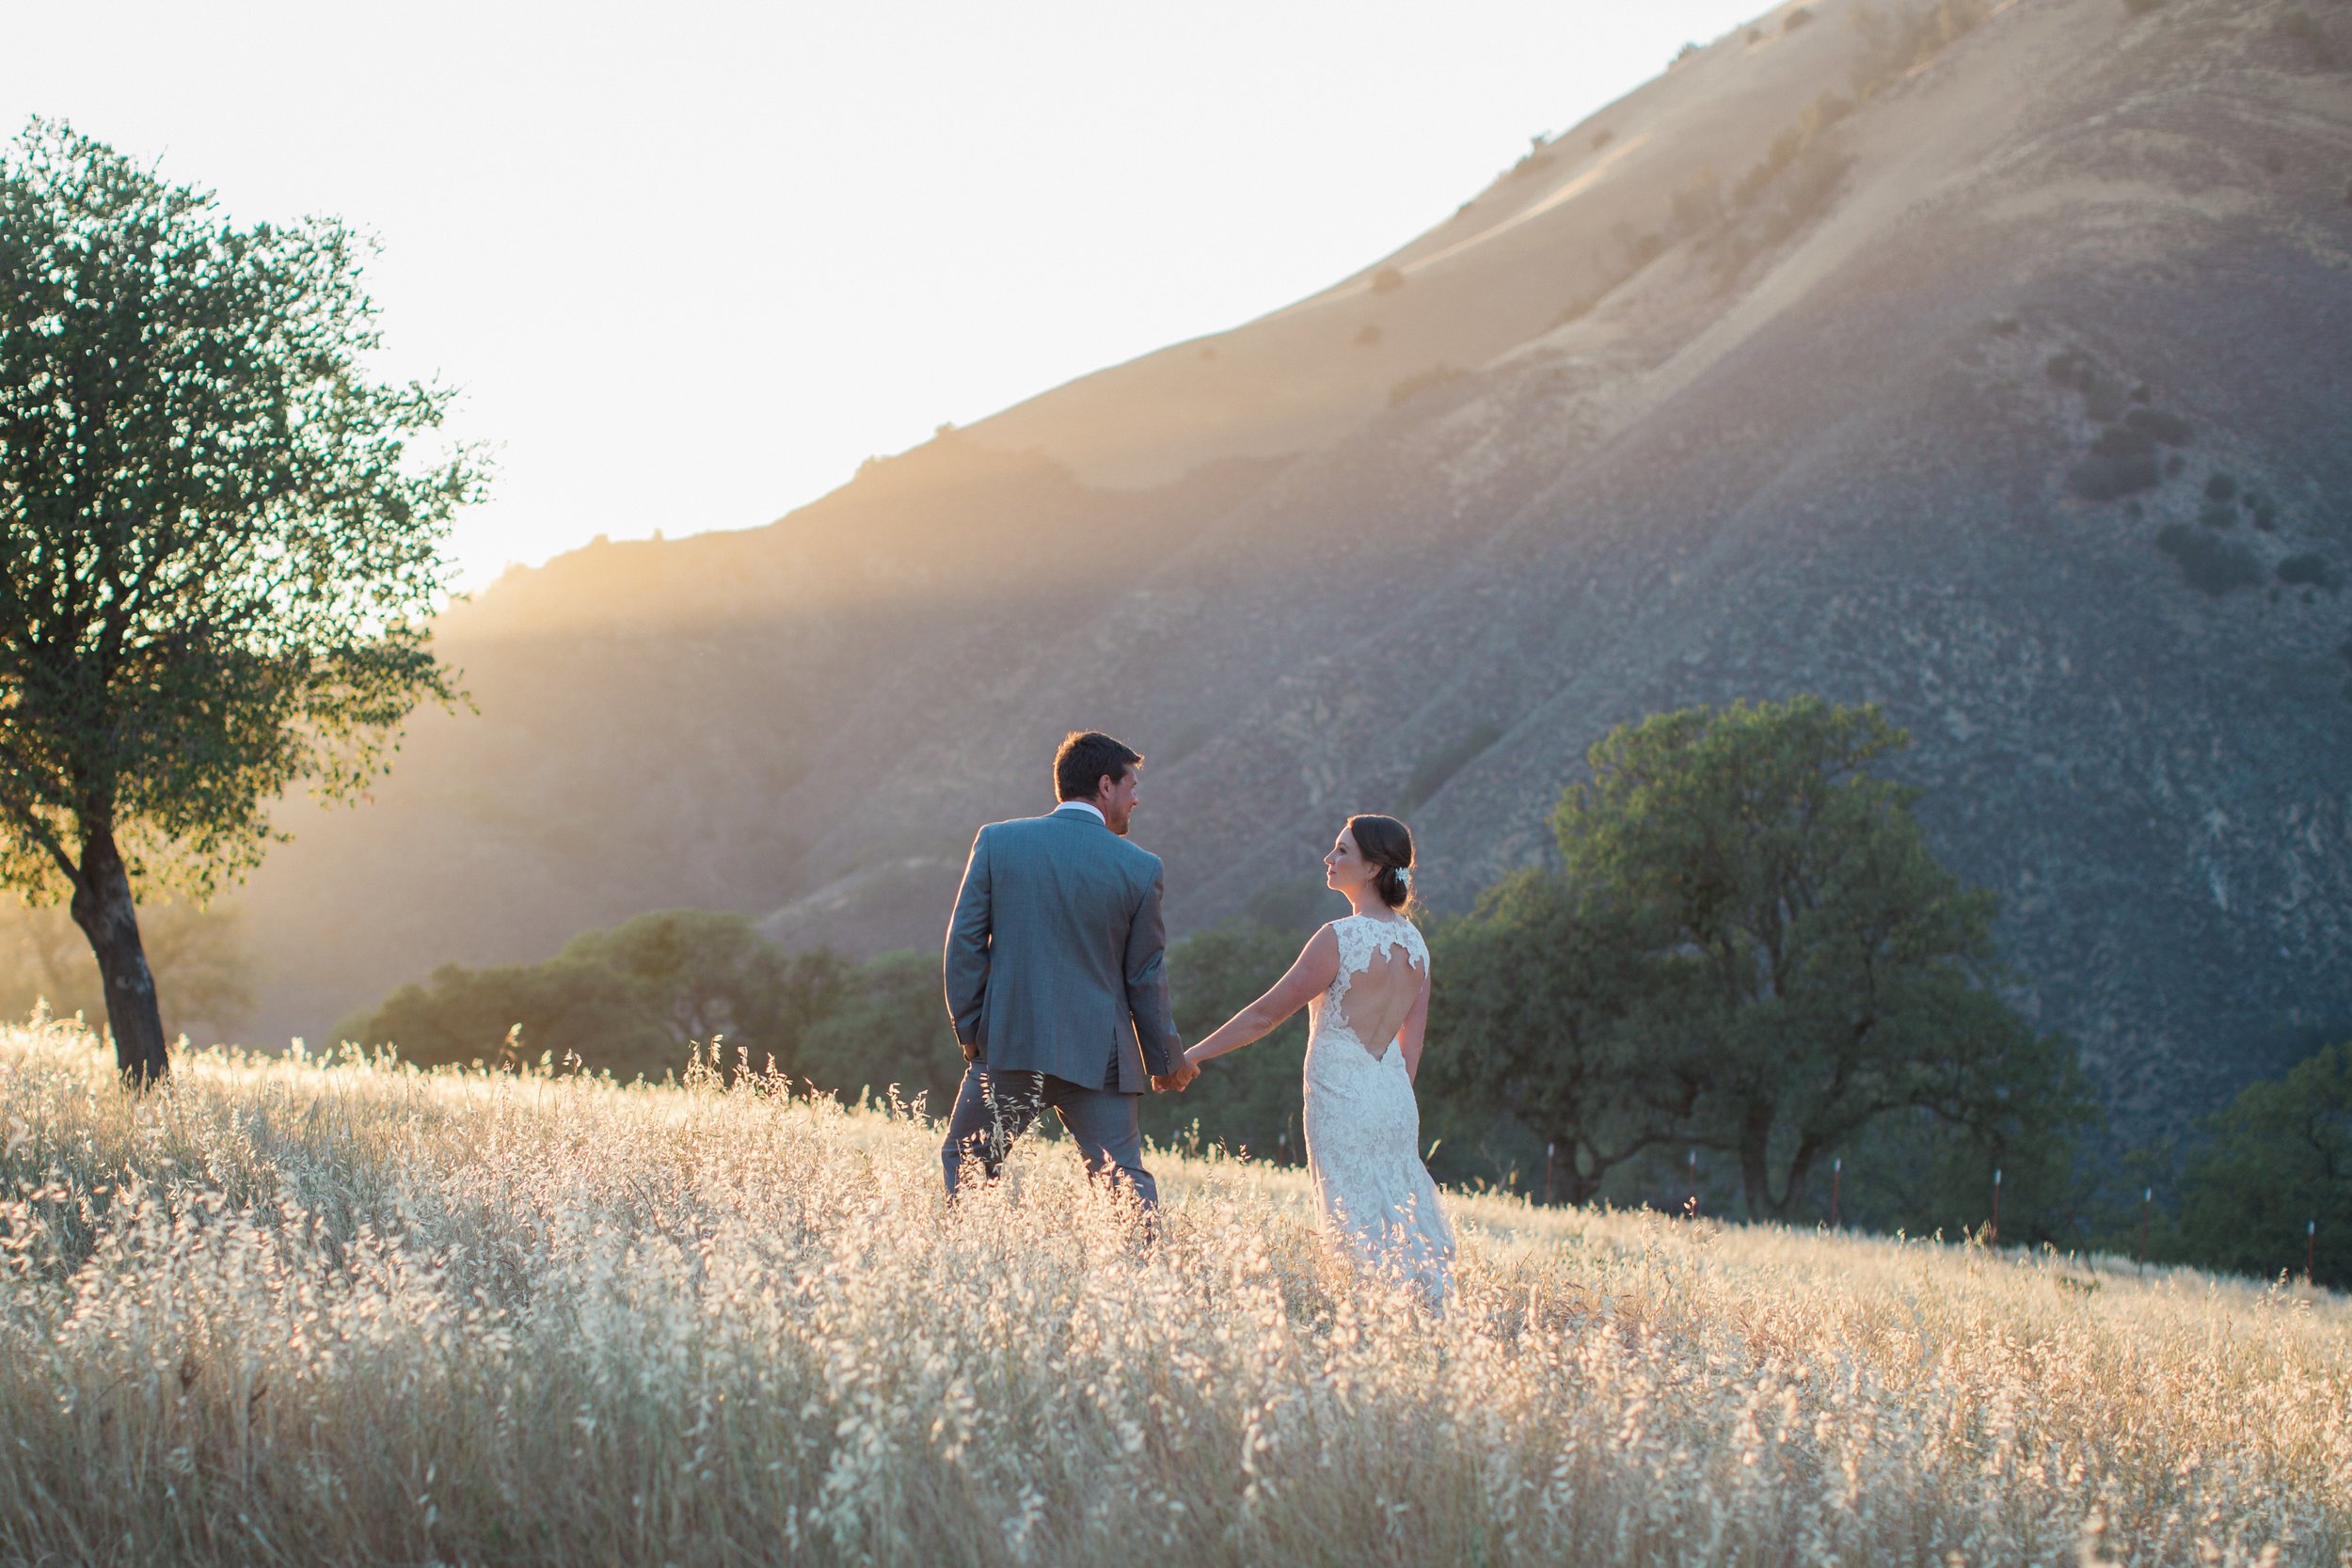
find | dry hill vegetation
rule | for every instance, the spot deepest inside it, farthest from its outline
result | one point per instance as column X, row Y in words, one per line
column 300, row 1312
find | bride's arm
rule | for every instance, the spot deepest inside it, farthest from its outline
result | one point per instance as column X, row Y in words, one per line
column 1318, row 965
column 1409, row 1035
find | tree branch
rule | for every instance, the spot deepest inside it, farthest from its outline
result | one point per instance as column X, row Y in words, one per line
column 29, row 823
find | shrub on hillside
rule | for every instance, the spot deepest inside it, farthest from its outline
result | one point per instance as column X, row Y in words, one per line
column 1793, row 140
column 1387, row 280
column 2304, row 31
column 2308, row 570
column 1698, row 203
column 2103, row 477
column 2104, row 396
column 1420, row 382
column 1898, row 45
column 2165, row 429
column 1434, row 770
column 1795, row 19
column 2208, row 564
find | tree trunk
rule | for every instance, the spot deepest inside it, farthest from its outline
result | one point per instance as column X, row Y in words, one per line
column 102, row 907
column 1793, row 1186
column 1565, row 1179
column 1756, row 1138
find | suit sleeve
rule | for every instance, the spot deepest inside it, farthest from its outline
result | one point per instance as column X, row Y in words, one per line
column 1146, row 984
column 964, row 964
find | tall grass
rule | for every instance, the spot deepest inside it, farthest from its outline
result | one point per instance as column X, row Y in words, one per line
column 305, row 1313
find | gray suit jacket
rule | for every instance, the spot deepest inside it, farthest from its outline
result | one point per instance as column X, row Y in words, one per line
column 1056, row 959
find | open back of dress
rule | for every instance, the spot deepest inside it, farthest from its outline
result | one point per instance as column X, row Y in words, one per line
column 1383, row 967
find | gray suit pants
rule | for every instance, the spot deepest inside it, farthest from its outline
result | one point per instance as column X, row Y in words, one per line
column 993, row 1109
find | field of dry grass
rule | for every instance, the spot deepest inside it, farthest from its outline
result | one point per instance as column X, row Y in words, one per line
column 287, row 1312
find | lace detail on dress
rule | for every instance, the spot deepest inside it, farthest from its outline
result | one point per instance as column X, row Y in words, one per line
column 1361, row 939
column 1364, row 1129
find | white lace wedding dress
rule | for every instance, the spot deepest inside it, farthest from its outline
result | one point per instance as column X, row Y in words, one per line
column 1363, row 1128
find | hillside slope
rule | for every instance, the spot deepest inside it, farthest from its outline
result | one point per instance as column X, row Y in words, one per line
column 1990, row 367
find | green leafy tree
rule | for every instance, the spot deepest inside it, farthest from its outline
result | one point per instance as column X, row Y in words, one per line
column 712, row 974
column 1831, row 969
column 510, row 1013
column 1920, row 1173
column 632, row 1000
column 1544, row 1006
column 889, row 1028
column 2278, row 1159
column 1248, row 1100
column 217, row 559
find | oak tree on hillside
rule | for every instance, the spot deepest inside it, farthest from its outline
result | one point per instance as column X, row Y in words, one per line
column 1827, row 969
column 1544, row 1006
column 217, row 555
column 2271, row 1187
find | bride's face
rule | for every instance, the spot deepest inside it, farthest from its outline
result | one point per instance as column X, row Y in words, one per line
column 1345, row 867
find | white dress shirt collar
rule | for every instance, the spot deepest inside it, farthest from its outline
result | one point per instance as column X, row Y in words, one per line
column 1087, row 806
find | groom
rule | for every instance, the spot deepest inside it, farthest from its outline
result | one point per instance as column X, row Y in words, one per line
column 1056, row 977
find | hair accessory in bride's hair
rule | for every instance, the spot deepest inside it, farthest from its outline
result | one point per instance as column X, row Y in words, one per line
column 1405, row 874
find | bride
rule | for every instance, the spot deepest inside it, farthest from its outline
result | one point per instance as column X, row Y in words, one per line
column 1364, row 980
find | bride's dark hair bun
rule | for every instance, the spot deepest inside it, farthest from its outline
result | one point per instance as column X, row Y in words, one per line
column 1388, row 845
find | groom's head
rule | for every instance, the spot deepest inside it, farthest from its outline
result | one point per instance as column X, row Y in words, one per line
column 1093, row 768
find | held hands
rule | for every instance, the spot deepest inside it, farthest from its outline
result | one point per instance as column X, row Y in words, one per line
column 1177, row 1081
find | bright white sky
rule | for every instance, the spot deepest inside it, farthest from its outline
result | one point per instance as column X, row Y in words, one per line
column 691, row 262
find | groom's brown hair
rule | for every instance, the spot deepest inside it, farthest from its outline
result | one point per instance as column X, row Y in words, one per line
column 1084, row 759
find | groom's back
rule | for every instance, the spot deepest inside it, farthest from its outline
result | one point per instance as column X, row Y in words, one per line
column 1066, row 885
column 1048, row 916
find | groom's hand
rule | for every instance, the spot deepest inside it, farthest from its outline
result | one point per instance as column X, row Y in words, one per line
column 971, row 1051
column 1178, row 1081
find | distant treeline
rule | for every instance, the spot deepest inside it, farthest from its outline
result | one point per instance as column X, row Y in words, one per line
column 1745, row 977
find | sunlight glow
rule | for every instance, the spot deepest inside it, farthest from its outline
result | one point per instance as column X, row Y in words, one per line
column 692, row 265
